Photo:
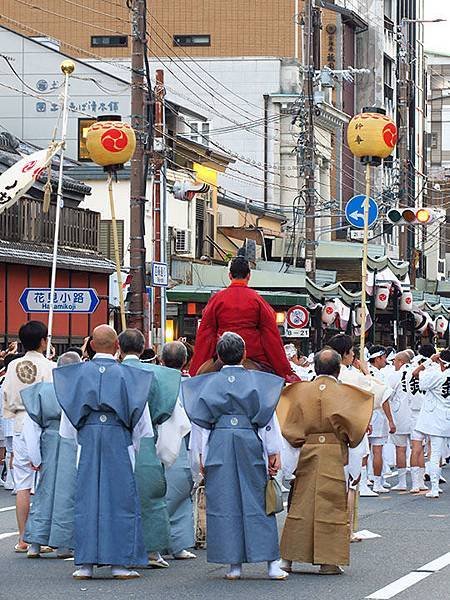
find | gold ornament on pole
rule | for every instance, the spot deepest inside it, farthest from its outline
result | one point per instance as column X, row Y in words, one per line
column 371, row 136
column 111, row 144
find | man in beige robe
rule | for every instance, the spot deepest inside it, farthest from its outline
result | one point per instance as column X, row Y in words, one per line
column 325, row 418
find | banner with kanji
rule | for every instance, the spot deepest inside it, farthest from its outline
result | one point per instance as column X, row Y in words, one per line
column 18, row 179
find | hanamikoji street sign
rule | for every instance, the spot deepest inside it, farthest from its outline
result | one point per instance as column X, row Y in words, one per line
column 66, row 300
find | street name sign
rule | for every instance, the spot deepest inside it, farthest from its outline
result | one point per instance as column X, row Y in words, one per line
column 160, row 274
column 354, row 211
column 66, row 300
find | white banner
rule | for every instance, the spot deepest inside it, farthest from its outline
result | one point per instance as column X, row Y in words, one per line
column 18, row 179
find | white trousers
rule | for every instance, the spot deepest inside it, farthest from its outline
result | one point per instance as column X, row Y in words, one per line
column 438, row 445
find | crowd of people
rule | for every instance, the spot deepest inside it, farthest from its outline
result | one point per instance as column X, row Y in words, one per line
column 111, row 440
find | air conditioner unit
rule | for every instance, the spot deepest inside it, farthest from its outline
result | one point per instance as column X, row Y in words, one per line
column 182, row 241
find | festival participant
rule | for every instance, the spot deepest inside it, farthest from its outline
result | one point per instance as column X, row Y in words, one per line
column 300, row 365
column 8, row 428
column 105, row 409
column 179, row 476
column 50, row 522
column 433, row 418
column 237, row 436
column 170, row 424
column 31, row 368
column 325, row 418
column 382, row 423
column 401, row 413
column 242, row 310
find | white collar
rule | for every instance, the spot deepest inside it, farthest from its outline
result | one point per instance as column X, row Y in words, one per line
column 130, row 357
column 104, row 355
column 233, row 366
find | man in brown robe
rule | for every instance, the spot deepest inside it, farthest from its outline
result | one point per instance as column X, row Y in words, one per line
column 324, row 418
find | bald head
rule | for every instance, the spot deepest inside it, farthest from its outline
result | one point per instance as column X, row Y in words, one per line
column 104, row 339
column 327, row 362
column 401, row 358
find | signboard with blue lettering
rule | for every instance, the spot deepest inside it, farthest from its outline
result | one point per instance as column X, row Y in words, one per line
column 354, row 211
column 66, row 300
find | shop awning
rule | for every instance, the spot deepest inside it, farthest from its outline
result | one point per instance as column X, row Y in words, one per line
column 201, row 294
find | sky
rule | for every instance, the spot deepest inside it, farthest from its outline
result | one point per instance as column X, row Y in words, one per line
column 437, row 35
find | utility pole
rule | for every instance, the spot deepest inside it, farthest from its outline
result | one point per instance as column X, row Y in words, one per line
column 137, row 182
column 403, row 130
column 159, row 208
column 308, row 151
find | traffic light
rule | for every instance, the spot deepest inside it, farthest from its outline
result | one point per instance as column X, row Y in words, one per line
column 412, row 216
column 186, row 190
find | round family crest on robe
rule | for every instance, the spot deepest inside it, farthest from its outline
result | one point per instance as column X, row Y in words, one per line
column 26, row 371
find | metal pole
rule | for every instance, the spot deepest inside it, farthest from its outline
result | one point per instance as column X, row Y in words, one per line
column 158, row 221
column 403, row 138
column 163, row 224
column 296, row 30
column 116, row 252
column 137, row 198
column 310, row 241
column 67, row 67
column 364, row 266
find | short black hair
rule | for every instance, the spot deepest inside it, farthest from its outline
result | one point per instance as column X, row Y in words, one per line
column 327, row 362
column 89, row 349
column 174, row 355
column 239, row 268
column 149, row 355
column 375, row 349
column 427, row 350
column 445, row 355
column 79, row 351
column 31, row 334
column 341, row 343
column 231, row 348
column 132, row 341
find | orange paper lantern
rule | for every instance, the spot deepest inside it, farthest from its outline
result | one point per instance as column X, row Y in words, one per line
column 372, row 136
column 110, row 143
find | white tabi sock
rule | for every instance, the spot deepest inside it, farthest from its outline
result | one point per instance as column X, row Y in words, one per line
column 84, row 571
column 275, row 571
column 121, row 572
column 415, row 479
column 401, row 485
column 378, row 485
column 234, row 572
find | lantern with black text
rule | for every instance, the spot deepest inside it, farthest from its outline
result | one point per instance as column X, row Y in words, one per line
column 372, row 135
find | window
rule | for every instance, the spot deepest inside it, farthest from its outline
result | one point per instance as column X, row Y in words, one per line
column 192, row 40
column 109, row 41
column 445, row 129
column 198, row 132
column 83, row 126
column 388, row 9
column 106, row 241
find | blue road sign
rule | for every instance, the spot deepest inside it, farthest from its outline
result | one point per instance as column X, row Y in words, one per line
column 354, row 211
column 66, row 300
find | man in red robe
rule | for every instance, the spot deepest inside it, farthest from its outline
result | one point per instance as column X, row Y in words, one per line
column 241, row 310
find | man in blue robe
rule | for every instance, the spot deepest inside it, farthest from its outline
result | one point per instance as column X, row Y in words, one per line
column 105, row 409
column 179, row 475
column 50, row 522
column 238, row 438
column 170, row 424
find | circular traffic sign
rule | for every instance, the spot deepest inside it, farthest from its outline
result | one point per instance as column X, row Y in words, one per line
column 297, row 317
column 354, row 211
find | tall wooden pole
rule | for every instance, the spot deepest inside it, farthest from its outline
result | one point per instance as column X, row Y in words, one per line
column 137, row 187
column 364, row 266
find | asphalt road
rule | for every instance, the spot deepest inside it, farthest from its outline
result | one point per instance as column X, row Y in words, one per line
column 414, row 532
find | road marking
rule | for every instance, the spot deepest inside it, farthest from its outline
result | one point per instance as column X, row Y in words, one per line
column 5, row 508
column 3, row 536
column 402, row 584
column 436, row 565
column 398, row 586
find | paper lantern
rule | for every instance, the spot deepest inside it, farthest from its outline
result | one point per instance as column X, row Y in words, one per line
column 358, row 315
column 382, row 297
column 329, row 313
column 110, row 143
column 441, row 325
column 372, row 135
column 406, row 301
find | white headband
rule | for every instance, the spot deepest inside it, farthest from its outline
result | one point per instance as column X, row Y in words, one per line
column 377, row 354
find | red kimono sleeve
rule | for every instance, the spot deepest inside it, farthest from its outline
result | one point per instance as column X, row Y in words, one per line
column 272, row 342
column 206, row 339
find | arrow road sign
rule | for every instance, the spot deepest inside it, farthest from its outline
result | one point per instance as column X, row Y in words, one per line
column 66, row 300
column 354, row 211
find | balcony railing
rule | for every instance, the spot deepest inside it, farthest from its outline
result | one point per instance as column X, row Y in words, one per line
column 25, row 221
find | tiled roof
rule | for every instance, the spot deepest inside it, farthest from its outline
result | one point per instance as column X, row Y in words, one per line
column 41, row 256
